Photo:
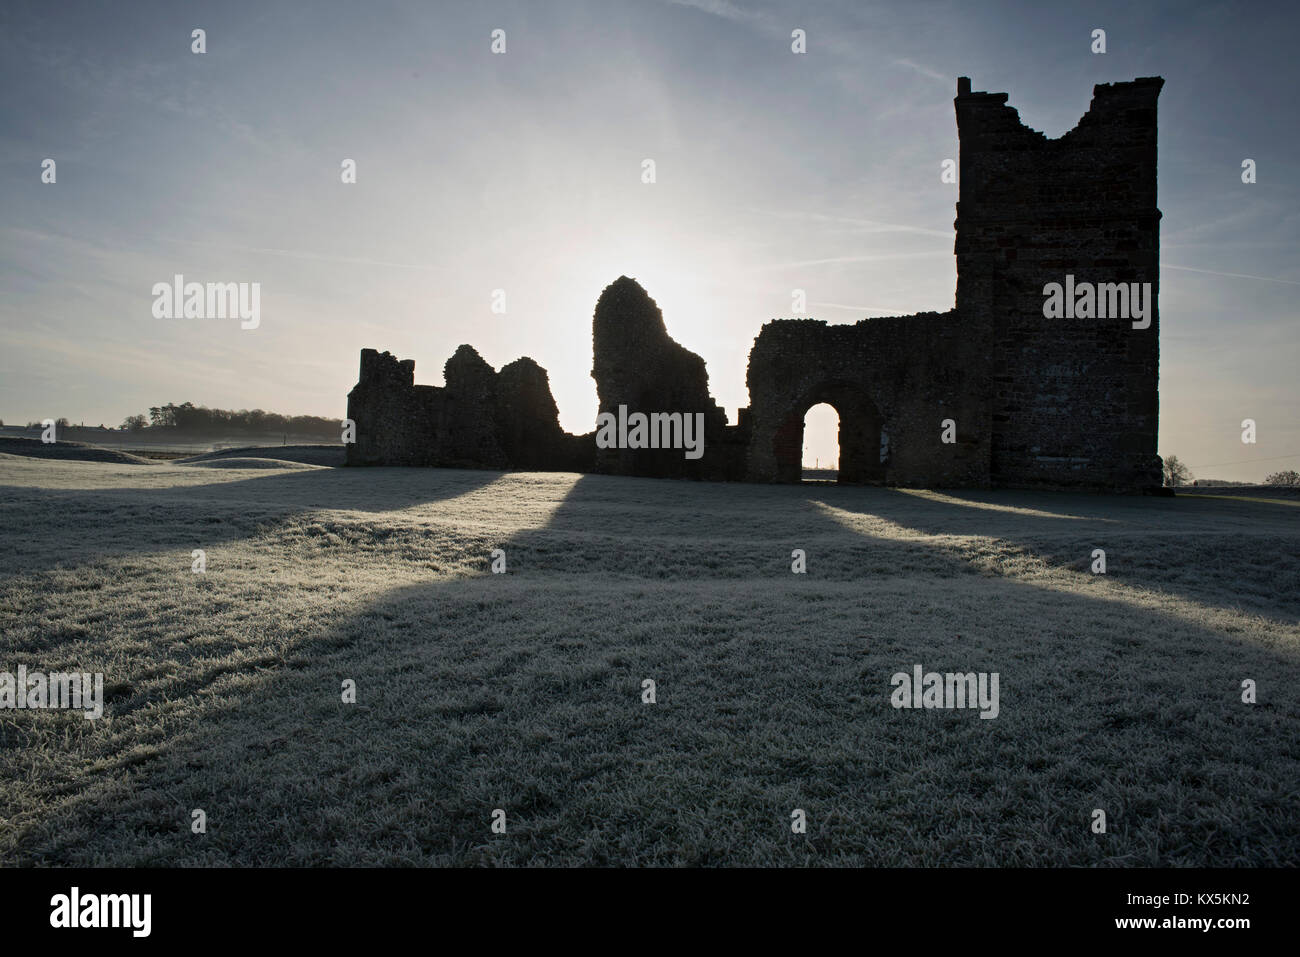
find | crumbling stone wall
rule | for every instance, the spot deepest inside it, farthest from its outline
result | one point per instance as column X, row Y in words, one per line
column 480, row 419
column 383, row 407
column 638, row 365
column 528, row 423
column 1032, row 400
column 466, row 412
column 892, row 381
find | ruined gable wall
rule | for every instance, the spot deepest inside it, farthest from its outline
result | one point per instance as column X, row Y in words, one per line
column 468, row 432
column 636, row 363
column 1074, row 400
column 528, row 422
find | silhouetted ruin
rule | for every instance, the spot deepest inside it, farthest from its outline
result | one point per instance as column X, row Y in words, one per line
column 638, row 365
column 993, row 392
column 480, row 419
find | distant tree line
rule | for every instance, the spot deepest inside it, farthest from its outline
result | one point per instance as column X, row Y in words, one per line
column 1176, row 474
column 188, row 417
column 60, row 423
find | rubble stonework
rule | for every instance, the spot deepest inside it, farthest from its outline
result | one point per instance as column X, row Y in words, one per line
column 892, row 381
column 638, row 365
column 480, row 419
column 1073, row 401
column 1031, row 400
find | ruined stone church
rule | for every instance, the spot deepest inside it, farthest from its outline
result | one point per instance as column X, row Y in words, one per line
column 994, row 392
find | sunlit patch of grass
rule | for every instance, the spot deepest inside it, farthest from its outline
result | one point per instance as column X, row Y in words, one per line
column 946, row 499
column 1247, row 498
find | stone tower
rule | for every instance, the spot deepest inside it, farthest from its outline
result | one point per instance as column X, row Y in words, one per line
column 1073, row 401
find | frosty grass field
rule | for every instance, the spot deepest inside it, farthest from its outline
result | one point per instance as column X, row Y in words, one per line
column 522, row 691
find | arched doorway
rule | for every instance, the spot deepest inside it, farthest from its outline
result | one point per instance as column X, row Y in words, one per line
column 861, row 449
column 821, row 443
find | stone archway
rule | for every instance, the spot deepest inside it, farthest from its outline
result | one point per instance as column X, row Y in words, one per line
column 859, row 438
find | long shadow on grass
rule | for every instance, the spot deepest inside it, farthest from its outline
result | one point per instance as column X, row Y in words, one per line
column 90, row 524
column 523, row 692
column 1240, row 556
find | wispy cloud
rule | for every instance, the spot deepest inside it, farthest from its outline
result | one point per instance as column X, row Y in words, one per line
column 1231, row 275
column 879, row 311
column 856, row 225
column 924, row 70
column 301, row 254
column 719, row 8
column 861, row 258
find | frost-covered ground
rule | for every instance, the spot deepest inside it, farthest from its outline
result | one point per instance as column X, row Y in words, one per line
column 523, row 691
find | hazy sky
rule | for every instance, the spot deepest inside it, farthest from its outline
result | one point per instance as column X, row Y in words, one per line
column 522, row 172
